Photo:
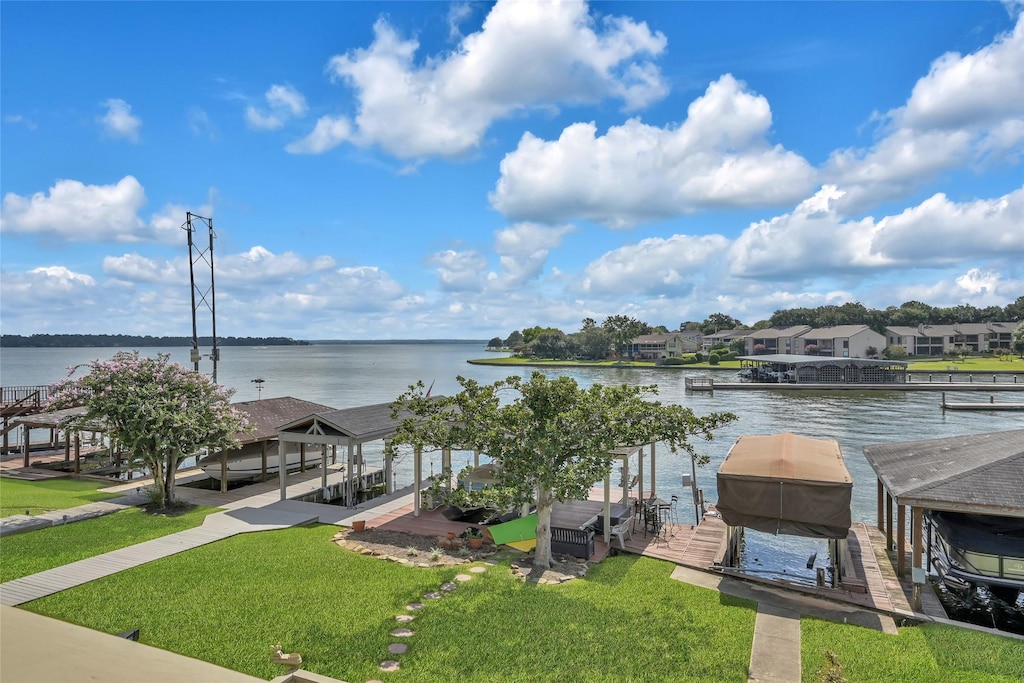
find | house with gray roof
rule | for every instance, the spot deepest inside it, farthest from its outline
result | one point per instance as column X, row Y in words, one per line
column 783, row 340
column 938, row 340
column 843, row 341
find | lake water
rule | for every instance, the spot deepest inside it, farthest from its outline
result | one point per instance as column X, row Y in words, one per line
column 349, row 375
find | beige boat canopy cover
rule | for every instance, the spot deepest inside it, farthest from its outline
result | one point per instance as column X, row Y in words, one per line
column 786, row 484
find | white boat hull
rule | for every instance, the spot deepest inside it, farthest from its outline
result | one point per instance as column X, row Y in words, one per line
column 248, row 464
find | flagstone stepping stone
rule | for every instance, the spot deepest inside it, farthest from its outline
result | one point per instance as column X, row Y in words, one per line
column 414, row 606
column 402, row 632
column 398, row 648
column 433, row 595
column 390, row 665
column 463, row 577
column 478, row 569
column 448, row 587
column 404, row 618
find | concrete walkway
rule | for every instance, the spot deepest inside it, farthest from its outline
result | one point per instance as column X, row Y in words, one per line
column 16, row 524
column 215, row 527
column 775, row 651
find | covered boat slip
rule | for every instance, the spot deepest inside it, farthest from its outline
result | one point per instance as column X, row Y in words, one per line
column 977, row 474
column 786, row 484
column 801, row 369
column 264, row 417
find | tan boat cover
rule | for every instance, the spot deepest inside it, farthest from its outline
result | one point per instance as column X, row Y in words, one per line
column 786, row 484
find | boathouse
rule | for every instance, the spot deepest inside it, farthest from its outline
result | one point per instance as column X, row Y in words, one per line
column 801, row 369
column 977, row 474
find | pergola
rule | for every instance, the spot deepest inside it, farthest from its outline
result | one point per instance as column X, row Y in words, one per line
column 980, row 474
column 51, row 421
column 350, row 428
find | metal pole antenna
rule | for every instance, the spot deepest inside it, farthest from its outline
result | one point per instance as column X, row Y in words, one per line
column 200, row 296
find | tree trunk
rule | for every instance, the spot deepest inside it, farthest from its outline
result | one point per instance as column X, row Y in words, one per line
column 156, row 468
column 542, row 555
column 169, row 468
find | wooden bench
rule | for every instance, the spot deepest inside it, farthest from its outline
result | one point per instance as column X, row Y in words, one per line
column 575, row 542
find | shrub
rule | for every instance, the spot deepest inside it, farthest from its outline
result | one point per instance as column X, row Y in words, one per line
column 698, row 356
column 713, row 358
column 894, row 352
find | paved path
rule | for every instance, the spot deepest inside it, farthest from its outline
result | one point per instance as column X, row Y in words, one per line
column 16, row 524
column 215, row 527
column 775, row 651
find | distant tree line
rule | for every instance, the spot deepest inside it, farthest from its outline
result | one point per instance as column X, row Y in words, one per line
column 613, row 338
column 133, row 341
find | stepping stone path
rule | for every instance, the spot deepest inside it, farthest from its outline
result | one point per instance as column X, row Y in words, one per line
column 391, row 665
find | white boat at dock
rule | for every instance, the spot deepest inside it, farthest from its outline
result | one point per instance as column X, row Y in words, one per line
column 247, row 462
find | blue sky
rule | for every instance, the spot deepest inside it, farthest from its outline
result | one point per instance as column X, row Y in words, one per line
column 439, row 170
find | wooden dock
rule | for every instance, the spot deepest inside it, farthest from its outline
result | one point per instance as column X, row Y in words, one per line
column 979, row 405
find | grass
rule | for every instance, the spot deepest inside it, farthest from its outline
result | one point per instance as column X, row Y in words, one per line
column 974, row 364
column 921, row 654
column 37, row 497
column 228, row 602
column 43, row 549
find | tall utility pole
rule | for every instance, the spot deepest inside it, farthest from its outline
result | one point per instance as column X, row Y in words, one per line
column 201, row 297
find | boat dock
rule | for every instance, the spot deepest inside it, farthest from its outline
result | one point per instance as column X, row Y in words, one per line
column 980, row 405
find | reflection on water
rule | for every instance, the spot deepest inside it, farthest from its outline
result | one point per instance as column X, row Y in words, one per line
column 344, row 376
column 984, row 608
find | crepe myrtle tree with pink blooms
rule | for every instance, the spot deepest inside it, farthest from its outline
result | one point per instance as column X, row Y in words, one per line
column 159, row 411
column 552, row 438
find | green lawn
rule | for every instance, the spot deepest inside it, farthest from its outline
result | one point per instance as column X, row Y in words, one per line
column 17, row 496
column 43, row 549
column 228, row 602
column 980, row 364
column 921, row 654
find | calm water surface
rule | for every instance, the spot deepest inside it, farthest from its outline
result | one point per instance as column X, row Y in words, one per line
column 344, row 376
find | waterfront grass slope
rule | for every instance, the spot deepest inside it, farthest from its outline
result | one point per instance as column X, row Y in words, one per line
column 37, row 497
column 919, row 654
column 42, row 549
column 228, row 602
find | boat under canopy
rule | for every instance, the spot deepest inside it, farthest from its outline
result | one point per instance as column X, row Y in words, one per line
column 247, row 462
column 786, row 484
column 978, row 549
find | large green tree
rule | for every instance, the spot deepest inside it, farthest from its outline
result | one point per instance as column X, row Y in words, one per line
column 623, row 330
column 552, row 438
column 159, row 411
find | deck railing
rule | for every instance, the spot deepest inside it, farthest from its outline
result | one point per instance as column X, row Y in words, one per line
column 27, row 396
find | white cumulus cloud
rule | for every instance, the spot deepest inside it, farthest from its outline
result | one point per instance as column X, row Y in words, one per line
column 671, row 266
column 718, row 157
column 283, row 103
column 527, row 54
column 967, row 108
column 119, row 122
column 815, row 238
column 76, row 212
column 459, row 271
